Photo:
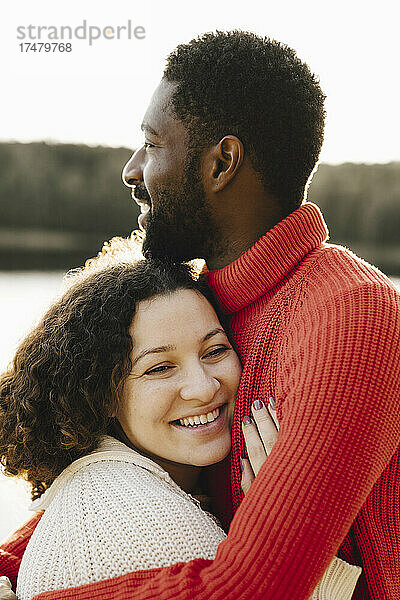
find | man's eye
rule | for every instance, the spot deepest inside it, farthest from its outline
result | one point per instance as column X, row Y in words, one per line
column 216, row 352
column 157, row 370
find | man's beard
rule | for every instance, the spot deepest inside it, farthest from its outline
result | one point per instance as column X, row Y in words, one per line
column 182, row 227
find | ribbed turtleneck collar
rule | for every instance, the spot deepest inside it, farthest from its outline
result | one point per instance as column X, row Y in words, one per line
column 266, row 263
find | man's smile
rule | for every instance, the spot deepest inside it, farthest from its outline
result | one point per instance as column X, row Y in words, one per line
column 144, row 211
column 140, row 201
column 140, row 192
column 142, row 198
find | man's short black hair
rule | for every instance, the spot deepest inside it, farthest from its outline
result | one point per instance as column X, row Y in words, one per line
column 257, row 89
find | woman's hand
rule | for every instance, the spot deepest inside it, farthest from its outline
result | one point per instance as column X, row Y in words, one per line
column 6, row 592
column 260, row 435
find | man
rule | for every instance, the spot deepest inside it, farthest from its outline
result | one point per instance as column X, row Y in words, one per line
column 232, row 135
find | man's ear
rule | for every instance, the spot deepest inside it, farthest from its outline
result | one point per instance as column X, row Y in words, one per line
column 225, row 161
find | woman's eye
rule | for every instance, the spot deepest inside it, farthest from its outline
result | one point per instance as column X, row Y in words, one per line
column 158, row 370
column 216, row 352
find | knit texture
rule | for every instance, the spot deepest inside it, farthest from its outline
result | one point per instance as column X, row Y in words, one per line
column 109, row 513
column 319, row 329
column 70, row 546
column 11, row 552
column 115, row 511
column 338, row 581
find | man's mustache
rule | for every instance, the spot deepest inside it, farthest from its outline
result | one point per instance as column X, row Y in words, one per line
column 140, row 192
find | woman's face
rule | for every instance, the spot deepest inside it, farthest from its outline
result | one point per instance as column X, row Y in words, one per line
column 177, row 402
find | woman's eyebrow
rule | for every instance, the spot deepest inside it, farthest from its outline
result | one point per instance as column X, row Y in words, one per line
column 212, row 333
column 157, row 350
column 160, row 349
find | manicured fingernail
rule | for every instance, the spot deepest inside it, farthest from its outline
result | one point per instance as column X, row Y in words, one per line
column 257, row 405
column 246, row 420
column 272, row 403
column 241, row 464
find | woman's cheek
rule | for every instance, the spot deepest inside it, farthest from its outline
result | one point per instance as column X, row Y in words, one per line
column 157, row 397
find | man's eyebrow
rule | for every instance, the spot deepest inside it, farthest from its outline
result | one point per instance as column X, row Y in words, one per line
column 157, row 350
column 146, row 127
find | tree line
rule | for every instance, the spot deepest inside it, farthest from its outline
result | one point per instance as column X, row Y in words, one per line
column 59, row 202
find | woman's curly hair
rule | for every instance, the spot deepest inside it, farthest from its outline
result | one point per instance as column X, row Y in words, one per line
column 57, row 398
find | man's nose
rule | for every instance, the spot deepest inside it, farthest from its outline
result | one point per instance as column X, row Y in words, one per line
column 199, row 385
column 133, row 171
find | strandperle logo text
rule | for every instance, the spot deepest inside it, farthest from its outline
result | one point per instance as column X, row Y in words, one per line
column 83, row 31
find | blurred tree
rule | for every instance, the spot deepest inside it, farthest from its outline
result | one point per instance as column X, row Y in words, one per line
column 75, row 191
column 360, row 202
column 60, row 202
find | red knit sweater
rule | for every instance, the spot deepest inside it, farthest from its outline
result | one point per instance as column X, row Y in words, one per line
column 319, row 329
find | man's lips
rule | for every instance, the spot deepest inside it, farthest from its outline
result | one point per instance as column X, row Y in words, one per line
column 143, row 204
column 141, row 194
column 145, row 207
column 139, row 200
column 144, row 213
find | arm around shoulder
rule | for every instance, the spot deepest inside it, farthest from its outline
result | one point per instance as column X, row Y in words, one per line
column 326, row 460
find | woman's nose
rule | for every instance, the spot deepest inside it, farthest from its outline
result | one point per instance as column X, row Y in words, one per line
column 200, row 386
column 133, row 171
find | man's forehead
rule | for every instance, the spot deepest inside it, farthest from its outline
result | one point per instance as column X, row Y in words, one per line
column 159, row 114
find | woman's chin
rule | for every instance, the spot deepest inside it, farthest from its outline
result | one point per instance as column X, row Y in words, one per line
column 213, row 457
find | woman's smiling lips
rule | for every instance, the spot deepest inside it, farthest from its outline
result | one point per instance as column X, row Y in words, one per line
column 214, row 426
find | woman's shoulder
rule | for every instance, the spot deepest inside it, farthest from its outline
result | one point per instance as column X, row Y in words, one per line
column 127, row 491
column 99, row 469
column 112, row 516
column 125, row 495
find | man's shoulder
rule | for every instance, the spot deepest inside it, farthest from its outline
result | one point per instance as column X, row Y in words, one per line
column 342, row 307
column 336, row 284
column 335, row 270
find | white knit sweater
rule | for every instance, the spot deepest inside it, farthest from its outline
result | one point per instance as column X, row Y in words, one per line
column 115, row 511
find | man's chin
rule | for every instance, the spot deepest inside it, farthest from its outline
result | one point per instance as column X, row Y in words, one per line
column 158, row 248
column 158, row 252
column 180, row 240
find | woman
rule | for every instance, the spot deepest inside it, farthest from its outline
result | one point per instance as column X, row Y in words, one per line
column 114, row 404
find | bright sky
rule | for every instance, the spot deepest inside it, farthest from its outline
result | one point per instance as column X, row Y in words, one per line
column 98, row 94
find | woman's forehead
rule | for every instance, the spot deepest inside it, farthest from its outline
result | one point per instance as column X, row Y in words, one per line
column 173, row 316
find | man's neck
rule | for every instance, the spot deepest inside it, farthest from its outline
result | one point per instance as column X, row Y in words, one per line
column 235, row 243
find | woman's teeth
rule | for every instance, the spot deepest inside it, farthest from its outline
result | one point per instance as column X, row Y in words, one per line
column 200, row 419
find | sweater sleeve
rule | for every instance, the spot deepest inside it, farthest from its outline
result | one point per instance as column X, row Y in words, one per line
column 339, row 387
column 12, row 550
column 338, row 395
